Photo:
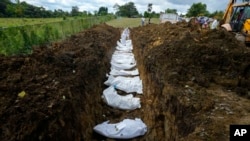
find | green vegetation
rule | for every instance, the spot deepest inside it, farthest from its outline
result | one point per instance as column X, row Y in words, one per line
column 21, row 39
column 127, row 10
column 35, row 25
column 103, row 11
column 13, row 22
column 174, row 11
column 22, row 26
column 130, row 22
column 200, row 9
column 22, row 9
column 217, row 14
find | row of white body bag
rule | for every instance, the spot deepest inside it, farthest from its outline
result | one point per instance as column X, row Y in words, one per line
column 125, row 77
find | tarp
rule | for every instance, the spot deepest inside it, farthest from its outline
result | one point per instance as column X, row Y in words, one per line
column 126, row 84
column 123, row 61
column 115, row 72
column 124, row 47
column 113, row 99
column 123, row 58
column 125, row 129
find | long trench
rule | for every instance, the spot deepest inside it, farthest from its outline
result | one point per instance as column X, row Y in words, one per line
column 155, row 109
column 169, row 113
column 160, row 110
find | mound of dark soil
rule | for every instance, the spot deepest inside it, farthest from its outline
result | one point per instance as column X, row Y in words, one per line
column 178, row 55
column 63, row 83
column 191, row 78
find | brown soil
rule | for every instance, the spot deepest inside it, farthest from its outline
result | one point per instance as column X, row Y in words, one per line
column 196, row 83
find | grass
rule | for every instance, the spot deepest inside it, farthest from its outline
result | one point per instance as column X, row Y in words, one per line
column 119, row 22
column 129, row 22
column 19, row 38
column 13, row 22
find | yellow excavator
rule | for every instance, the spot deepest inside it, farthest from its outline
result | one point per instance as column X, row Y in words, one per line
column 237, row 19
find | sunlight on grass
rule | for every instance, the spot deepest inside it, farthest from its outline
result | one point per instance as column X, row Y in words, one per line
column 129, row 22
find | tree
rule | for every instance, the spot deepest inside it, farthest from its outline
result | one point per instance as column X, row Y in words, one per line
column 3, row 7
column 84, row 13
column 75, row 11
column 217, row 15
column 19, row 9
column 146, row 14
column 89, row 13
column 116, row 8
column 128, row 10
column 150, row 6
column 10, row 11
column 59, row 13
column 197, row 9
column 153, row 14
column 95, row 12
column 174, row 11
column 103, row 11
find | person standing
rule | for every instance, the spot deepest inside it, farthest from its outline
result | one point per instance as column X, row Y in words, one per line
column 142, row 21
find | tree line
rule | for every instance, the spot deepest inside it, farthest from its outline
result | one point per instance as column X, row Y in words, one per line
column 200, row 9
column 23, row 9
column 196, row 9
column 129, row 10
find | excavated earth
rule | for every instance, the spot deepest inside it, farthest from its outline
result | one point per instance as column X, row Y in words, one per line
column 195, row 84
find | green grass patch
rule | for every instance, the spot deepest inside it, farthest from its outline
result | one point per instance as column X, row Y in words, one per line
column 130, row 22
column 13, row 22
column 21, row 39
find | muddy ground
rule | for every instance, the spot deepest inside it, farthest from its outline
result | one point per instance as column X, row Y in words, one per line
column 196, row 83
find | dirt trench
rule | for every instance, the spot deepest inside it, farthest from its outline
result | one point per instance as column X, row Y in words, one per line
column 195, row 84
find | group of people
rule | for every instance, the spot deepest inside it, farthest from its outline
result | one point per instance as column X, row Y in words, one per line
column 206, row 22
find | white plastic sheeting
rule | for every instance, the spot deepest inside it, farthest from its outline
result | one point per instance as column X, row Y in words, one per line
column 126, row 84
column 123, row 58
column 125, row 36
column 122, row 66
column 125, row 129
column 127, row 47
column 116, row 72
column 123, row 76
column 113, row 99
